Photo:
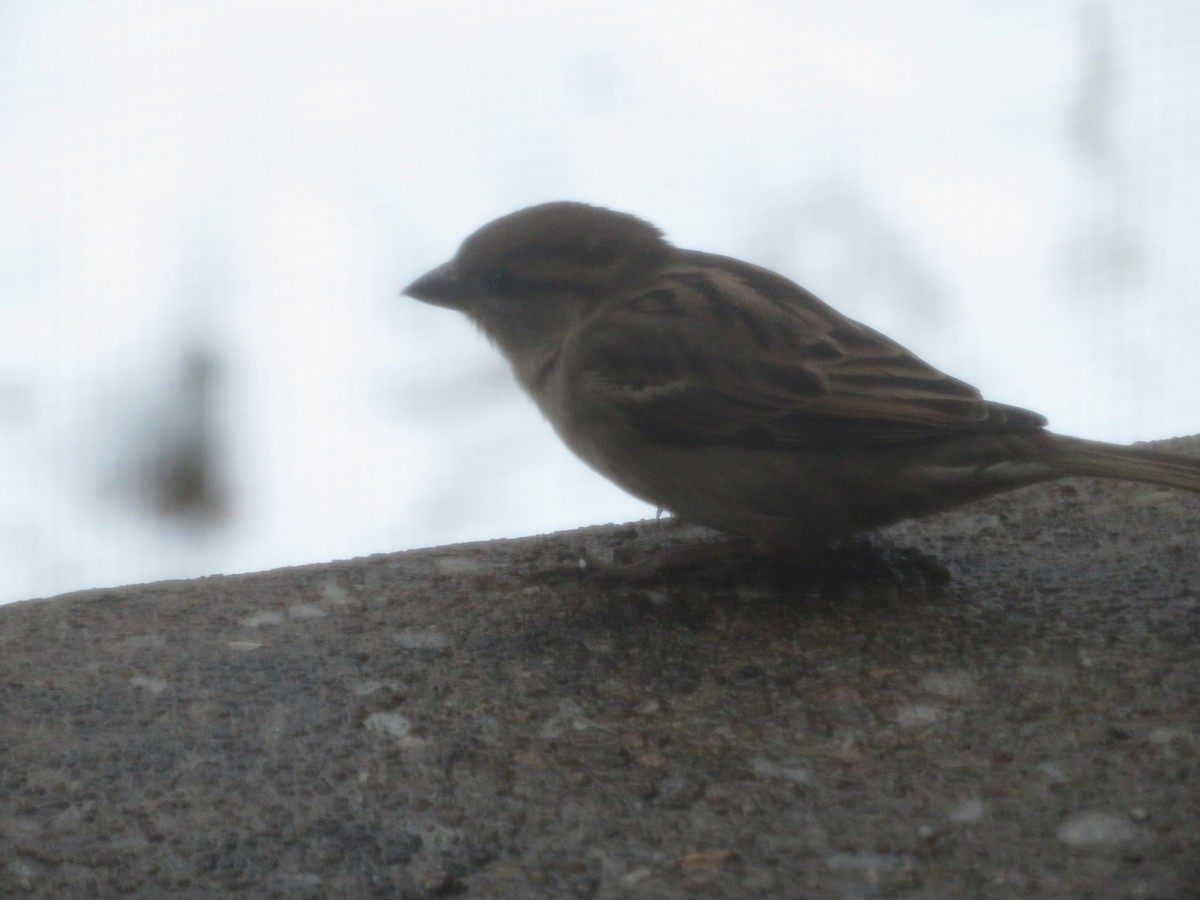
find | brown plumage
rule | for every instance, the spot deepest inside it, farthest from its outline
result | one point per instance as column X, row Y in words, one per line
column 735, row 398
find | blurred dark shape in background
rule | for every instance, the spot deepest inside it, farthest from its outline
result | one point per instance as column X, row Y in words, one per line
column 181, row 468
column 1105, row 253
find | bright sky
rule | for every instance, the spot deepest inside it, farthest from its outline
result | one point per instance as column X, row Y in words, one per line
column 1009, row 189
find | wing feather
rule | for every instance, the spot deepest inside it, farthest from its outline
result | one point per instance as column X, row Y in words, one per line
column 782, row 369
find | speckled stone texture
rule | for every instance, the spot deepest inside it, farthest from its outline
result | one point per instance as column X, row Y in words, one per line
column 999, row 702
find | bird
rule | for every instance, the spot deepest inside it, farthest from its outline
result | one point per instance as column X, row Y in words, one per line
column 732, row 397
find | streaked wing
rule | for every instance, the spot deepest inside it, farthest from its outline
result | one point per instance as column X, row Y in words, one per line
column 783, row 370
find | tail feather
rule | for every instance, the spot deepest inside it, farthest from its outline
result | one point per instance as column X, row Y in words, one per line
column 1099, row 460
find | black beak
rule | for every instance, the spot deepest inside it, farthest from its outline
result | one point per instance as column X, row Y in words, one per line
column 439, row 286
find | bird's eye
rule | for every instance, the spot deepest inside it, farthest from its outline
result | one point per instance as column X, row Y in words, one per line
column 498, row 282
column 599, row 252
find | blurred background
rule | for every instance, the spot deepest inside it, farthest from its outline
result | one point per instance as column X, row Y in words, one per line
column 208, row 211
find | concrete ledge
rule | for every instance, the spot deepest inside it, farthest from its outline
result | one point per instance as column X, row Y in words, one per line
column 1010, row 708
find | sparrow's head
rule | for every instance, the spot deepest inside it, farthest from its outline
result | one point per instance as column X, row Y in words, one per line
column 527, row 277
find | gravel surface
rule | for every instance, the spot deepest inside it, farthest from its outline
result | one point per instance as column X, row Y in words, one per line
column 1000, row 702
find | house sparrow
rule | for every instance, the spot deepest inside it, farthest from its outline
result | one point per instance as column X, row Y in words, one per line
column 733, row 397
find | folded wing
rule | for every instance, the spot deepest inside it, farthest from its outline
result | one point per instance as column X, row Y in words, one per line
column 781, row 369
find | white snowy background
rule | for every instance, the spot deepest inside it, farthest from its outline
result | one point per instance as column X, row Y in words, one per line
column 207, row 211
